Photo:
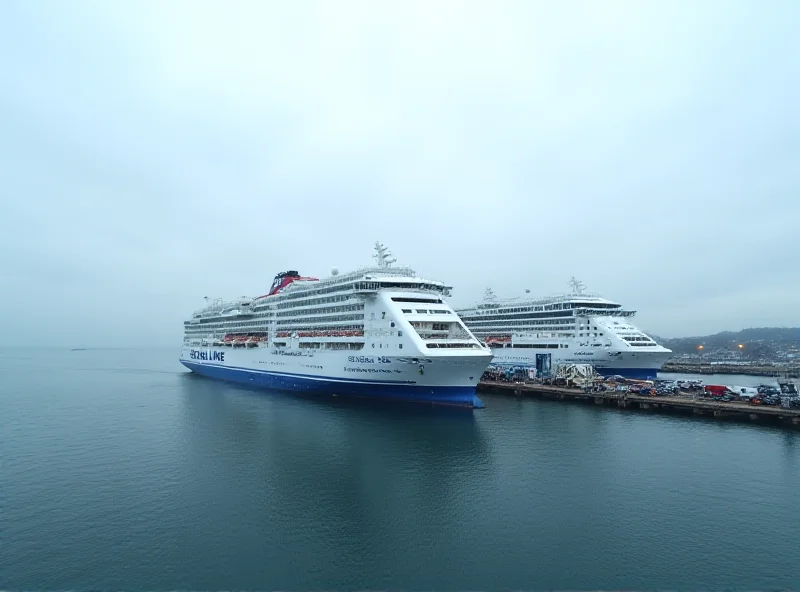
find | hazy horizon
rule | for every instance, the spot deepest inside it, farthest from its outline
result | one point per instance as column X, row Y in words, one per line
column 156, row 153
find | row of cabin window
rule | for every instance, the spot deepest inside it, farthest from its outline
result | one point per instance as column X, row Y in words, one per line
column 505, row 327
column 308, row 302
column 522, row 323
column 331, row 345
column 542, row 315
column 315, row 320
column 434, row 326
column 233, row 324
column 236, row 325
column 324, row 322
column 307, row 311
column 288, row 300
column 561, row 306
column 227, row 326
column 322, row 327
column 488, row 333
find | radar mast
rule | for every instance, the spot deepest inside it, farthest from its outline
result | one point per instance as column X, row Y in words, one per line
column 577, row 286
column 383, row 256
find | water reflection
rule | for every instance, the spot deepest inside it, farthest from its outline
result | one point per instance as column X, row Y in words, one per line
column 360, row 475
column 165, row 481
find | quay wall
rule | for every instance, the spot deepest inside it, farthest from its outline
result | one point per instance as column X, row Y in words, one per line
column 623, row 400
column 769, row 371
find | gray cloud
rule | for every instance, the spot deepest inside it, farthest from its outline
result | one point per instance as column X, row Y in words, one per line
column 158, row 153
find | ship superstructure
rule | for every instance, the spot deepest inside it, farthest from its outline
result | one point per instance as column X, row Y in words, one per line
column 377, row 332
column 577, row 328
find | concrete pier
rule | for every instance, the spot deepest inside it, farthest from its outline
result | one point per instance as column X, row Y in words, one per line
column 624, row 400
column 705, row 368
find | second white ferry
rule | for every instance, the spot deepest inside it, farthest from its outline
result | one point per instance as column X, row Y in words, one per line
column 378, row 332
column 574, row 328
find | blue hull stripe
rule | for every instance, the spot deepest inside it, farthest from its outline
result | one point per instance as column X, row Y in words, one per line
column 461, row 396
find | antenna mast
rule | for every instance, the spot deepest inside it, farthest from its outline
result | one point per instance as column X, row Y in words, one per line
column 577, row 287
column 383, row 256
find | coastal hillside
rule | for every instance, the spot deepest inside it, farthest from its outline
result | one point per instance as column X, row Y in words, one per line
column 762, row 342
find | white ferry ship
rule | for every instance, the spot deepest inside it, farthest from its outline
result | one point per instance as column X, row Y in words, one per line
column 576, row 328
column 378, row 332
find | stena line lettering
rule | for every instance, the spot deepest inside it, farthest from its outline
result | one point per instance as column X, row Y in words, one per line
column 207, row 356
column 360, row 360
column 368, row 360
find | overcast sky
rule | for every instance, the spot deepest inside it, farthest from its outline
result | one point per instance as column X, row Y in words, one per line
column 152, row 153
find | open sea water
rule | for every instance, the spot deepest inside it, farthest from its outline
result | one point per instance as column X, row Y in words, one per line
column 121, row 470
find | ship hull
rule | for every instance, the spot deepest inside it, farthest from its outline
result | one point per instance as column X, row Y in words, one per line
column 447, row 381
column 636, row 365
column 634, row 373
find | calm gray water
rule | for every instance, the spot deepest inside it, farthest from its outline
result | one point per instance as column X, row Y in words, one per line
column 120, row 470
